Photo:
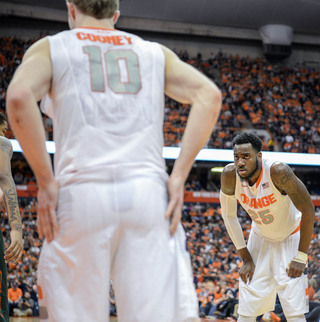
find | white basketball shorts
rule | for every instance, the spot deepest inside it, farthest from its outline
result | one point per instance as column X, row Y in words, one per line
column 270, row 278
column 113, row 231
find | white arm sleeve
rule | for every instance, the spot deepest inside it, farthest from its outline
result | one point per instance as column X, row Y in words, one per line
column 229, row 215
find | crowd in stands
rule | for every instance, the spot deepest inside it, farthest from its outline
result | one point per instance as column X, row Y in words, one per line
column 256, row 94
column 282, row 100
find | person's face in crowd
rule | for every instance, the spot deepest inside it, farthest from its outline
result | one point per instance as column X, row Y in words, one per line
column 247, row 161
column 3, row 128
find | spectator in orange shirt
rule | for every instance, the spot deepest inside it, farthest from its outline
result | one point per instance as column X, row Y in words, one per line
column 14, row 297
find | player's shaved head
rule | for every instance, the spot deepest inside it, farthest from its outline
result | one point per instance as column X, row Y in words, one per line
column 99, row 9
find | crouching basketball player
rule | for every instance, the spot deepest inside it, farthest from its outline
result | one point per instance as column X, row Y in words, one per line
column 282, row 216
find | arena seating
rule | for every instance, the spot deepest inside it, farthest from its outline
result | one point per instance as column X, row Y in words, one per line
column 282, row 100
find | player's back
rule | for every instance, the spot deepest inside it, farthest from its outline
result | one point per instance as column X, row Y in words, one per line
column 107, row 105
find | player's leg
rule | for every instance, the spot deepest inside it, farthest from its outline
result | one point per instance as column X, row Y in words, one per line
column 258, row 296
column 291, row 291
column 243, row 318
column 145, row 266
column 4, row 314
column 74, row 268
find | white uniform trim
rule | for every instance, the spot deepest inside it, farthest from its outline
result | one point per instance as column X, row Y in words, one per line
column 229, row 215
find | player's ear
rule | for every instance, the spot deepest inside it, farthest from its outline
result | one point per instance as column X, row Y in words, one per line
column 259, row 156
column 116, row 17
column 71, row 10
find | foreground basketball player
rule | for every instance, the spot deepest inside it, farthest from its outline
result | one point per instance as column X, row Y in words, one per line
column 9, row 196
column 106, row 98
column 282, row 216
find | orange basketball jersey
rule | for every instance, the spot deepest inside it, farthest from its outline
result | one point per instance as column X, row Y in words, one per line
column 274, row 216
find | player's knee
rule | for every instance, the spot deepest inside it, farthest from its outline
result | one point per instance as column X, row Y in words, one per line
column 296, row 318
column 243, row 318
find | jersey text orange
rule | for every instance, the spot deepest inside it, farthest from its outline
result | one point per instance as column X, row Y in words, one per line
column 259, row 202
column 115, row 40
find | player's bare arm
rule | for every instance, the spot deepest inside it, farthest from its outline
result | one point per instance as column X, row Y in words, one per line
column 228, row 184
column 185, row 84
column 10, row 200
column 30, row 83
column 288, row 183
column 228, row 179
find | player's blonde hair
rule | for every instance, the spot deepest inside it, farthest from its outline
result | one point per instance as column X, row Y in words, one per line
column 99, row 9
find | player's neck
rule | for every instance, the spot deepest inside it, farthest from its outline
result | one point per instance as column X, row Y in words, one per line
column 87, row 21
column 254, row 179
column 255, row 175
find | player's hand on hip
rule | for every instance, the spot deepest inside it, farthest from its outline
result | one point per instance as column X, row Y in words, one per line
column 176, row 192
column 295, row 269
column 247, row 270
column 14, row 252
column 46, row 209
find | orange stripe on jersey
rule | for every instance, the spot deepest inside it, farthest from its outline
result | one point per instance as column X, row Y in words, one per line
column 297, row 229
column 40, row 295
column 260, row 176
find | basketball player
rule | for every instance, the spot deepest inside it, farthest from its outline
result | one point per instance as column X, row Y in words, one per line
column 282, row 216
column 104, row 90
column 10, row 200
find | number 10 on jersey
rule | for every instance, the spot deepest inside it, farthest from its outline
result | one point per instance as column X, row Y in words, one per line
column 122, row 70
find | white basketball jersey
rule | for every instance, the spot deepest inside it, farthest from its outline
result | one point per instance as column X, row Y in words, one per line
column 107, row 105
column 274, row 216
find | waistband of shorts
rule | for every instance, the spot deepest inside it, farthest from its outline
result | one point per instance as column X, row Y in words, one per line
column 297, row 229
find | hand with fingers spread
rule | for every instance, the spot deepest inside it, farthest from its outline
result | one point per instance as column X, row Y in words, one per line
column 46, row 210
column 14, row 252
column 176, row 190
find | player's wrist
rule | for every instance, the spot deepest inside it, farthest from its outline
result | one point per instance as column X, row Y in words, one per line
column 245, row 255
column 301, row 257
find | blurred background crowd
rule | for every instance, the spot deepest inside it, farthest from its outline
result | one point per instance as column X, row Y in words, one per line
column 282, row 102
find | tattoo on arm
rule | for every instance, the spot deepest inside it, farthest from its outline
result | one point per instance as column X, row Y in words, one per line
column 285, row 177
column 12, row 208
column 9, row 190
column 282, row 176
column 286, row 181
column 6, row 146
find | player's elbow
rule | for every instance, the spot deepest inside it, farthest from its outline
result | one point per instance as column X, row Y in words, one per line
column 212, row 99
column 17, row 96
column 214, row 96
